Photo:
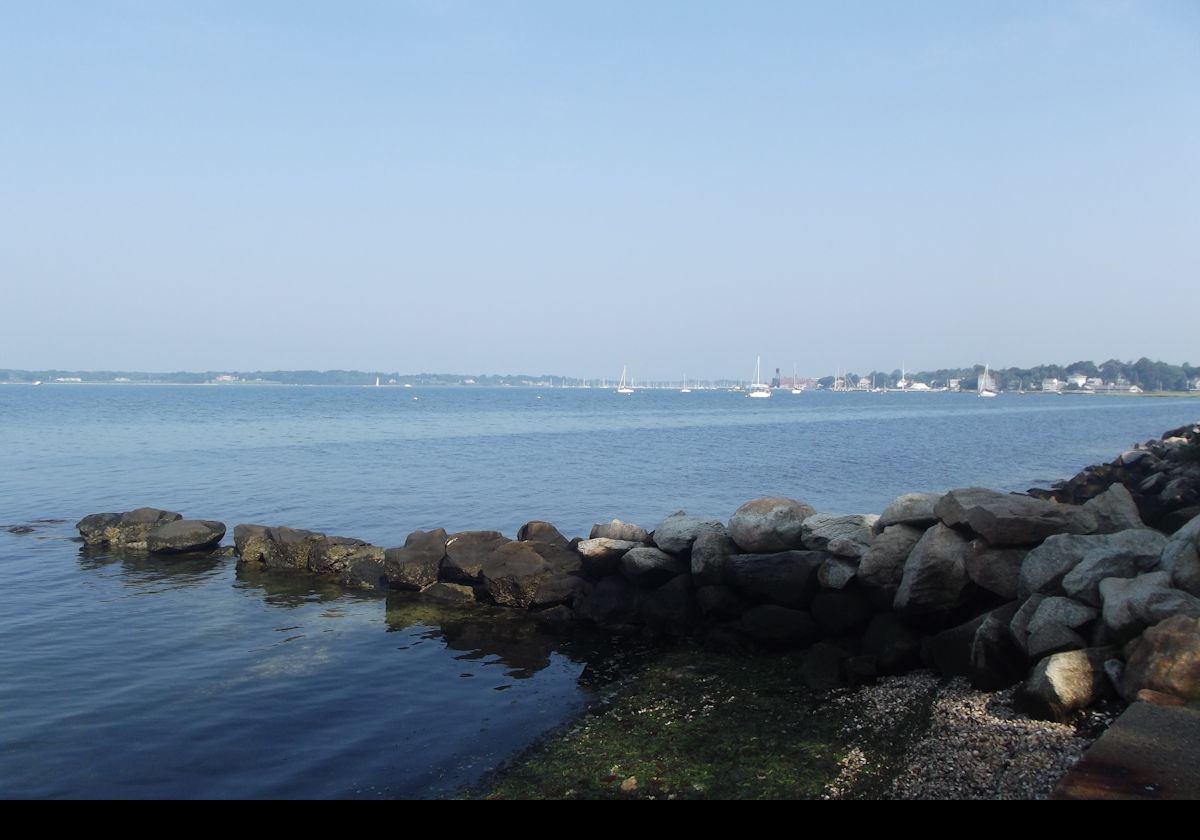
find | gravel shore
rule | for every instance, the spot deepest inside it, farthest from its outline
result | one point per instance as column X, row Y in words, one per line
column 976, row 746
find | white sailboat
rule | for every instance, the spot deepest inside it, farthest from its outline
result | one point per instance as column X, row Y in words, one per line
column 795, row 388
column 758, row 388
column 987, row 388
column 624, row 388
column 685, row 389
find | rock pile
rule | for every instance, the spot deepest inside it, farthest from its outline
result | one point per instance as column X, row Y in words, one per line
column 1071, row 601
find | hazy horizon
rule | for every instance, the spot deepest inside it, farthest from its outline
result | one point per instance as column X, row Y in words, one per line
column 675, row 187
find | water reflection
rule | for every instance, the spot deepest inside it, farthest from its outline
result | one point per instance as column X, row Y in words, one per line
column 291, row 588
column 480, row 632
column 141, row 568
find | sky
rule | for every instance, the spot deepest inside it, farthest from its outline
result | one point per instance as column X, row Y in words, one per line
column 569, row 188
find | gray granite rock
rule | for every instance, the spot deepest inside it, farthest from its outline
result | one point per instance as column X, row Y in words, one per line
column 768, row 525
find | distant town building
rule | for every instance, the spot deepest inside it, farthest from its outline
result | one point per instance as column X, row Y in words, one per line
column 1194, row 385
column 954, row 385
column 1052, row 385
column 1077, row 380
column 68, row 379
column 1094, row 383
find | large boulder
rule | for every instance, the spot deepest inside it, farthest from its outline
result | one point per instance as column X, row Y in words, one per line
column 710, row 552
column 252, row 543
column 1129, row 554
column 466, row 552
column 543, row 532
column 935, row 575
column 768, row 525
column 1165, row 659
column 618, row 530
column 512, row 574
column 719, row 602
column 602, row 555
column 335, row 555
column 822, row 529
column 998, row 570
column 648, row 567
column 837, row 573
column 365, row 569
column 910, row 509
column 294, row 548
column 1006, row 519
column 124, row 530
column 788, row 578
column 995, row 660
column 561, row 589
column 1056, row 626
column 1181, row 557
column 1133, row 604
column 417, row 564
column 677, row 532
column 949, row 652
column 672, row 607
column 609, row 604
column 182, row 535
column 1046, row 566
column 882, row 566
column 450, row 593
column 773, row 623
column 1065, row 682
column 1115, row 510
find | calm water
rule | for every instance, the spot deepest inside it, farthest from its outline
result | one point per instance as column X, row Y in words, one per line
column 125, row 676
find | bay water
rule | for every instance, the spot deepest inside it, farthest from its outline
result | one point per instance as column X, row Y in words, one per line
column 127, row 676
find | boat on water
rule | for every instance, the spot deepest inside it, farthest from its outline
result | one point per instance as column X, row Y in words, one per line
column 624, row 387
column 795, row 388
column 987, row 388
column 758, row 389
column 685, row 389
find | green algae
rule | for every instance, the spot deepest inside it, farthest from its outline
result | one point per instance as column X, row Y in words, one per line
column 693, row 724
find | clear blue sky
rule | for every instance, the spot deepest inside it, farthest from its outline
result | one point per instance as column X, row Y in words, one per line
column 572, row 187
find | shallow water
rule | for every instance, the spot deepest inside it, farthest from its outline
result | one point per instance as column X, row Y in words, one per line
column 131, row 677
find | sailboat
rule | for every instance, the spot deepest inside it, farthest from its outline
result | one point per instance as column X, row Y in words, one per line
column 795, row 388
column 758, row 388
column 986, row 387
column 685, row 389
column 624, row 388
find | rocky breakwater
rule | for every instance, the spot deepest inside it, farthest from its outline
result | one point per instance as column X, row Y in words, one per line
column 1073, row 602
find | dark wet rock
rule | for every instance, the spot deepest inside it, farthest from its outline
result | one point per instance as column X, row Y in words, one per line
column 1133, row 604
column 719, row 602
column 243, row 535
column 882, row 566
column 293, row 548
column 466, row 552
column 788, row 578
column 1129, row 554
column 1053, row 638
column 995, row 660
column 601, row 556
column 333, row 554
column 677, row 532
column 768, row 525
column 20, row 529
column 998, row 570
column 893, row 645
column 848, row 548
column 559, row 619
column 1181, row 557
column 1064, row 683
column 183, row 535
column 838, row 613
column 1046, row 566
column 648, row 567
column 123, row 530
column 837, row 573
column 1115, row 510
column 542, row 532
column 609, row 603
column 773, row 623
column 1166, row 659
column 710, row 553
column 916, row 509
column 673, row 606
column 450, row 593
column 561, row 588
column 513, row 573
column 1006, row 519
column 364, row 568
column 935, row 574
column 822, row 667
column 1176, row 519
column 821, row 529
column 418, row 563
column 618, row 530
